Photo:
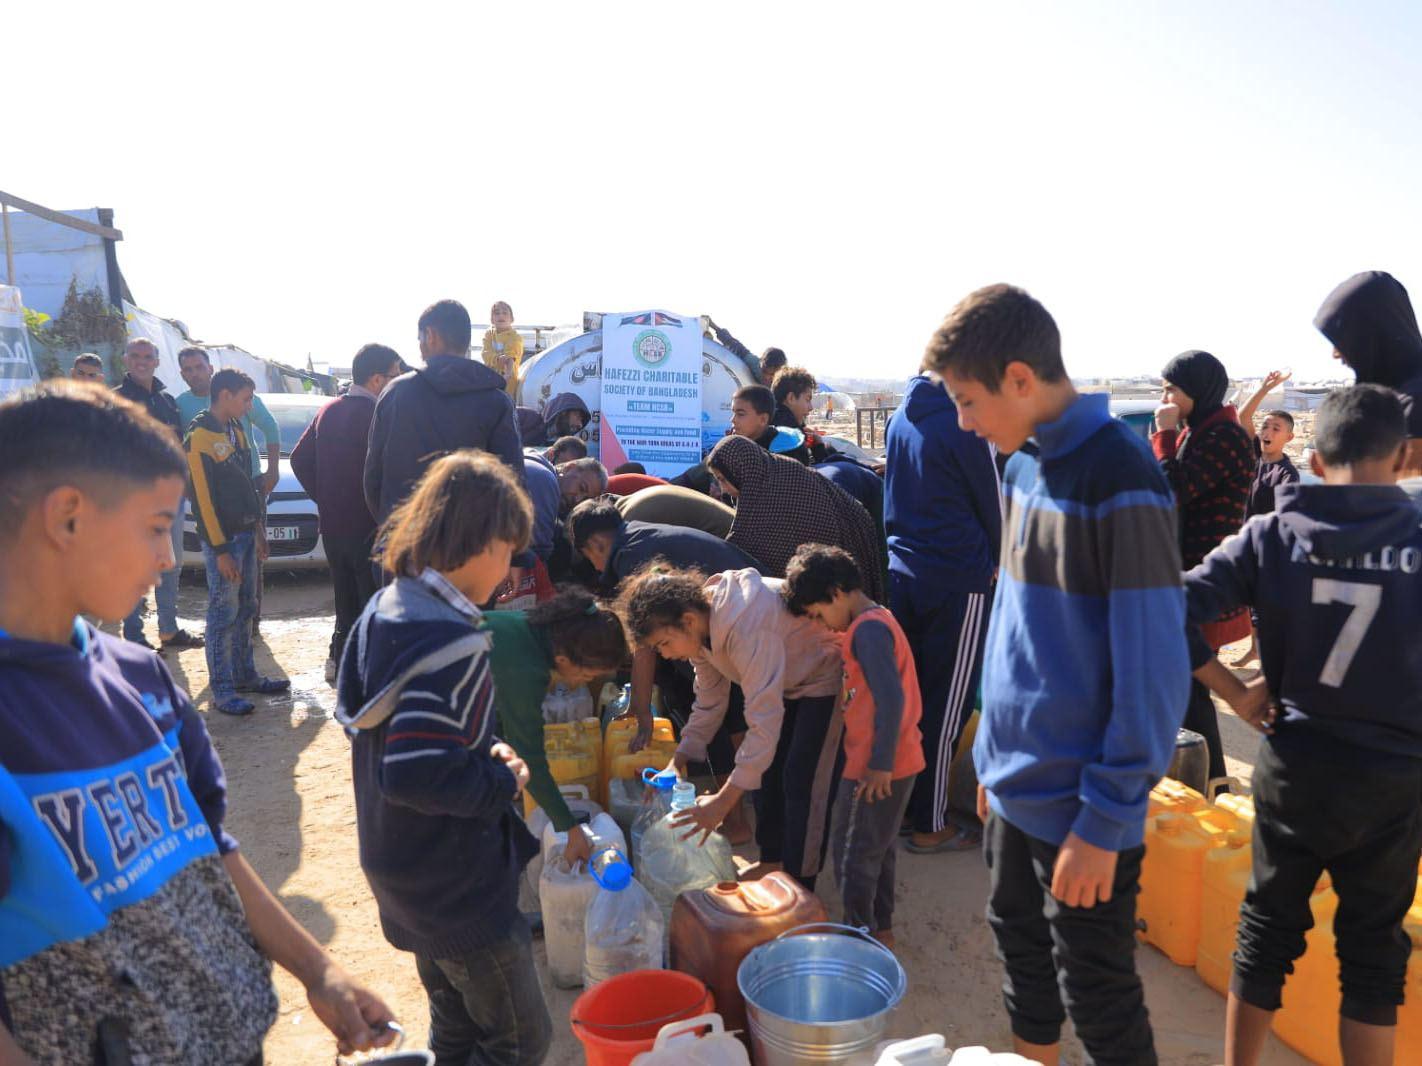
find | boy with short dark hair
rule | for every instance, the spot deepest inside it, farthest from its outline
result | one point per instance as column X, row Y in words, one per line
column 1336, row 576
column 88, row 367
column 794, row 391
column 1085, row 681
column 227, row 508
column 131, row 928
column 752, row 408
column 1272, row 470
column 883, row 749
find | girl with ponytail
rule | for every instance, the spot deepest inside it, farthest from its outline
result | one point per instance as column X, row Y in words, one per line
column 571, row 638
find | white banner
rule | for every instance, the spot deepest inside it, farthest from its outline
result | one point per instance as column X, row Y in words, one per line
column 651, row 391
column 17, row 365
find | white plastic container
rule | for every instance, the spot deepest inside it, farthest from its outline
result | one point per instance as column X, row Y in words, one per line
column 625, row 800
column 564, row 892
column 624, row 930
column 567, row 705
column 680, row 1044
column 661, row 785
column 579, row 803
column 670, row 865
column 932, row 1050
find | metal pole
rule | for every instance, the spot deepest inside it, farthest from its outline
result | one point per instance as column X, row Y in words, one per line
column 9, row 255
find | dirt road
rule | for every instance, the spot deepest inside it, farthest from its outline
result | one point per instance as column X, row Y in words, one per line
column 288, row 774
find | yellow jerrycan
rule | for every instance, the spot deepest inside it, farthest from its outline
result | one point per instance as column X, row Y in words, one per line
column 574, row 751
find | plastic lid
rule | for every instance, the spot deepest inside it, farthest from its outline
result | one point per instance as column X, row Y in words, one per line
column 661, row 780
column 614, row 874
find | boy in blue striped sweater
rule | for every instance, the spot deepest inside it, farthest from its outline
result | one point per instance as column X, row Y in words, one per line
column 1085, row 681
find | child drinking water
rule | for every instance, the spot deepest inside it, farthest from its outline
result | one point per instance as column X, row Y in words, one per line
column 883, row 749
column 440, row 843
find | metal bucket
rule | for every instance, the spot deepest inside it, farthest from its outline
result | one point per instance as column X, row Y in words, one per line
column 1191, row 763
column 819, row 996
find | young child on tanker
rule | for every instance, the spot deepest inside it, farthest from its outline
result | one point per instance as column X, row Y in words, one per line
column 1336, row 576
column 734, row 628
column 1273, row 468
column 440, row 843
column 1085, row 680
column 503, row 346
column 883, row 749
column 131, row 927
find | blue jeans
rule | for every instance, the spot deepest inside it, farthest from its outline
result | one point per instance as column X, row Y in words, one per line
column 165, row 594
column 487, row 1008
column 230, row 606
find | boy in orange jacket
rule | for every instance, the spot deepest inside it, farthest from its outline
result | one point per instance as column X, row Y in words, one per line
column 883, row 749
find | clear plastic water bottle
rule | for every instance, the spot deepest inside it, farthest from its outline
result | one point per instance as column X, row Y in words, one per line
column 658, row 807
column 624, row 928
column 670, row 865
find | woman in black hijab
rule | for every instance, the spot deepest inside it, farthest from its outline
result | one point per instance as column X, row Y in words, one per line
column 1210, row 467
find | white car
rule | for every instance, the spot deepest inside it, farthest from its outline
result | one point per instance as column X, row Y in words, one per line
column 291, row 514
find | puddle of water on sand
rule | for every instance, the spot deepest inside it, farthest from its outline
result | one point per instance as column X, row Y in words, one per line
column 310, row 696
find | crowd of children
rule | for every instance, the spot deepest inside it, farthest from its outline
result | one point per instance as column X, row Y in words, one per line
column 821, row 665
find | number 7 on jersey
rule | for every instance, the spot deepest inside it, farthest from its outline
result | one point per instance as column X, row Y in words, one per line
column 1364, row 599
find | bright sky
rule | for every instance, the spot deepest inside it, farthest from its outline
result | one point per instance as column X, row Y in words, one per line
column 827, row 178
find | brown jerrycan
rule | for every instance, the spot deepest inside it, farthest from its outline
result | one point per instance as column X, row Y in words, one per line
column 713, row 929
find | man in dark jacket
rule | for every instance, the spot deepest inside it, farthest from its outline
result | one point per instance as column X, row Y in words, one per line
column 1373, row 328
column 943, row 516
column 141, row 385
column 329, row 461
column 454, row 402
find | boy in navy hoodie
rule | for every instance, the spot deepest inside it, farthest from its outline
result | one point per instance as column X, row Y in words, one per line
column 1086, row 677
column 943, row 516
column 440, row 843
column 1336, row 576
column 131, row 928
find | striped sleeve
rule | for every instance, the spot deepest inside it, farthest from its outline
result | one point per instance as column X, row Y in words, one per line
column 435, row 754
column 1139, row 565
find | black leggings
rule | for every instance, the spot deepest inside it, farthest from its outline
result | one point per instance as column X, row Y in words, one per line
column 796, row 796
column 1200, row 715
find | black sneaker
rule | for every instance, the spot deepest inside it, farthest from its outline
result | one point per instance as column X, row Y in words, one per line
column 265, row 686
column 183, row 639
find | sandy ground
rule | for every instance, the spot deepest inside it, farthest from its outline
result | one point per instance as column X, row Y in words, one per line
column 291, row 807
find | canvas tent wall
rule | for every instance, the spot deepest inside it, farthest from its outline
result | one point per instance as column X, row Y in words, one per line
column 48, row 255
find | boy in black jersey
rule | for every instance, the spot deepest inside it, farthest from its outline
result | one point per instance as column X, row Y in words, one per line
column 1336, row 577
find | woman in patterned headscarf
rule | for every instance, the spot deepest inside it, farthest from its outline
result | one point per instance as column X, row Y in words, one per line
column 781, row 505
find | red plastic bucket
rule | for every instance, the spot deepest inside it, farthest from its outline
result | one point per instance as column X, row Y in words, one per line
column 620, row 1018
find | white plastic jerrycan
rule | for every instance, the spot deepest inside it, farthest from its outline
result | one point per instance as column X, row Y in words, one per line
column 564, row 892
column 579, row 803
column 682, row 1044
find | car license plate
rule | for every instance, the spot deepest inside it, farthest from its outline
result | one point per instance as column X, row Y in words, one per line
column 283, row 532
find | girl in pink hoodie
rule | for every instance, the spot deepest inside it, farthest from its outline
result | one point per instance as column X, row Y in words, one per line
column 734, row 628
